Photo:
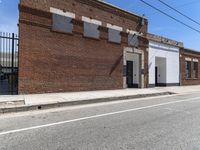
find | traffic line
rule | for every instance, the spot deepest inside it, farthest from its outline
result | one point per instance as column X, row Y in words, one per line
column 94, row 116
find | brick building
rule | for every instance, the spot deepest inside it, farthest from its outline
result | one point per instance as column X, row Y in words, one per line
column 189, row 64
column 77, row 45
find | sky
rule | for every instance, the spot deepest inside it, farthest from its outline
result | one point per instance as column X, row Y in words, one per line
column 9, row 16
column 158, row 23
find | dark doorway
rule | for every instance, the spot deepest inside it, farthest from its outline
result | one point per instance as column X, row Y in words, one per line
column 129, row 78
column 156, row 76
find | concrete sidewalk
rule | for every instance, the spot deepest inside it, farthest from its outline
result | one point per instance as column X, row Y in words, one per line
column 43, row 101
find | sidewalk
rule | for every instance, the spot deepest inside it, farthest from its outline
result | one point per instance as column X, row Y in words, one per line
column 44, row 101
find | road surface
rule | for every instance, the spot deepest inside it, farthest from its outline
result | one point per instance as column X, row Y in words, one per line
column 160, row 123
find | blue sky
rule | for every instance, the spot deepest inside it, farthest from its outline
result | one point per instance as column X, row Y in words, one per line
column 8, row 15
column 158, row 23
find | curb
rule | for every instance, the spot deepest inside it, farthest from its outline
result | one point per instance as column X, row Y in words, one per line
column 75, row 103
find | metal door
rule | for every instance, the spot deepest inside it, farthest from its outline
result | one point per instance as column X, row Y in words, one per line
column 129, row 70
column 156, row 76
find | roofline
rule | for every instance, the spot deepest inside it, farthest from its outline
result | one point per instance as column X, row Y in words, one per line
column 114, row 6
column 192, row 50
column 165, row 40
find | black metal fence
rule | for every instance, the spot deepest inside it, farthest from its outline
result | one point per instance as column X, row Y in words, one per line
column 8, row 63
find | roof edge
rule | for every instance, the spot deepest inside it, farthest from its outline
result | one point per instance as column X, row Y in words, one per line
column 192, row 50
column 114, row 6
column 164, row 40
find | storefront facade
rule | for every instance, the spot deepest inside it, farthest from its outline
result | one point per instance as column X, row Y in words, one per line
column 164, row 66
column 189, row 64
column 80, row 45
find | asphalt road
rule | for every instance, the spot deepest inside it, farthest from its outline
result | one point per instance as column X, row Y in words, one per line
column 162, row 123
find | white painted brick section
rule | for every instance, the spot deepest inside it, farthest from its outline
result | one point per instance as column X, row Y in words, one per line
column 93, row 21
column 188, row 59
column 62, row 13
column 132, row 32
column 171, row 54
column 114, row 27
column 195, row 60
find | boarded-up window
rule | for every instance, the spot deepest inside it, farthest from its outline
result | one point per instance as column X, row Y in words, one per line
column 133, row 40
column 195, row 70
column 91, row 30
column 62, row 23
column 114, row 36
column 188, row 69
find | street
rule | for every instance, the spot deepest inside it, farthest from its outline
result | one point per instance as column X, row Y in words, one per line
column 159, row 123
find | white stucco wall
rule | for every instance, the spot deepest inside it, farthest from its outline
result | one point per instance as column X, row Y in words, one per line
column 171, row 54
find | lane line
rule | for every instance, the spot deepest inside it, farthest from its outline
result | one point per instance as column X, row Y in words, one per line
column 94, row 116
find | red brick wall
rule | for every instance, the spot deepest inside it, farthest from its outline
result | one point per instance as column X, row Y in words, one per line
column 193, row 55
column 57, row 62
column 89, row 8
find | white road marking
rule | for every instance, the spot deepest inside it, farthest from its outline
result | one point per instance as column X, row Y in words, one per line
column 94, row 116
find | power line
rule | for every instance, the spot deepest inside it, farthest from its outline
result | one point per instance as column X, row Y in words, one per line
column 179, row 12
column 181, row 22
column 189, row 3
column 183, row 5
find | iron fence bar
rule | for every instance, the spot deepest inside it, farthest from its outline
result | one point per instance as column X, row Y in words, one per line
column 12, row 76
column 7, row 37
column 16, row 51
column 0, row 48
column 9, row 67
column 9, row 50
column 3, row 50
column 9, row 63
column 13, row 48
column 6, row 48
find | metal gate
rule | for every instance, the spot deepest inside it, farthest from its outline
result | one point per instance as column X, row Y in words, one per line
column 8, row 63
